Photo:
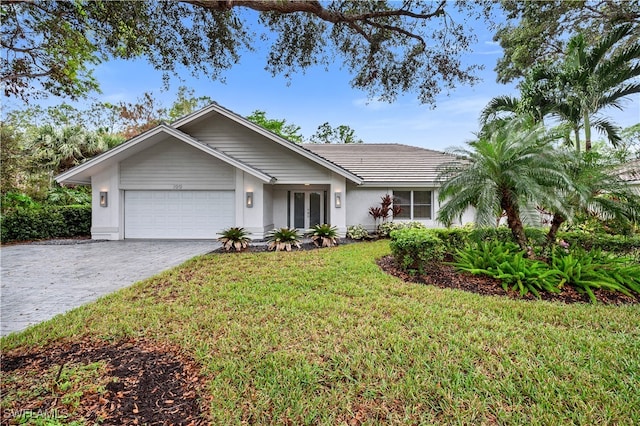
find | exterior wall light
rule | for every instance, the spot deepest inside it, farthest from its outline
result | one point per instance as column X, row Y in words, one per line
column 338, row 199
column 249, row 200
column 104, row 199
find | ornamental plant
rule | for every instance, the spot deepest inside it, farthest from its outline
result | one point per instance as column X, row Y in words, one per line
column 324, row 235
column 235, row 237
column 283, row 239
column 357, row 232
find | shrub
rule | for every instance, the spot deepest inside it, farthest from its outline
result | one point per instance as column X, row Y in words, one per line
column 506, row 262
column 324, row 235
column 385, row 229
column 589, row 270
column 283, row 239
column 46, row 222
column 357, row 232
column 414, row 248
column 235, row 237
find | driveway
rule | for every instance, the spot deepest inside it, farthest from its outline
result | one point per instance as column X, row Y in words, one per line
column 40, row 281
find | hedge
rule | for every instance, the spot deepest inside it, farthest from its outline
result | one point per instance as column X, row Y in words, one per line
column 46, row 222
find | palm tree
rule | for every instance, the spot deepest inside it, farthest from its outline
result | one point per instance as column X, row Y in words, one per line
column 596, row 191
column 510, row 167
column 589, row 80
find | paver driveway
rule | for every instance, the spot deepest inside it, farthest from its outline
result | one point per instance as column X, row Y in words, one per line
column 41, row 281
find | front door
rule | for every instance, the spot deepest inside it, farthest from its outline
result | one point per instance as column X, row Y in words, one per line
column 307, row 209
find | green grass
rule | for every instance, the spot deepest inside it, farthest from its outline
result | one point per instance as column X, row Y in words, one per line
column 325, row 337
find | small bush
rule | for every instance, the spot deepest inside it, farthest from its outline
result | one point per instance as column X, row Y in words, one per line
column 324, row 235
column 357, row 232
column 283, row 239
column 386, row 228
column 235, row 237
column 46, row 222
column 414, row 248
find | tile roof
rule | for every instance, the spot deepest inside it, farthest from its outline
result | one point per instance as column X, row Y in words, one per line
column 630, row 172
column 385, row 163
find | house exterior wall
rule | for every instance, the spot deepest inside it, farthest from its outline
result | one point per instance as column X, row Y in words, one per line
column 360, row 199
column 105, row 221
column 251, row 218
column 249, row 147
column 174, row 165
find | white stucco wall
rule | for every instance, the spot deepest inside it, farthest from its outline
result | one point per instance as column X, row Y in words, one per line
column 105, row 221
column 360, row 199
column 250, row 218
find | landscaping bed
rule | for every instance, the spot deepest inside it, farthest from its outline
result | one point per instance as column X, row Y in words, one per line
column 443, row 275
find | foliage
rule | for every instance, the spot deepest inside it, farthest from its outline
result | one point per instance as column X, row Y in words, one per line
column 279, row 127
column 591, row 78
column 385, row 229
column 64, row 196
column 283, row 239
column 46, row 222
column 388, row 47
column 385, row 210
column 414, row 248
column 535, row 32
column 11, row 160
column 186, row 102
column 235, row 237
column 502, row 173
column 324, row 235
column 357, row 232
column 593, row 269
column 15, row 200
column 340, row 134
column 575, row 267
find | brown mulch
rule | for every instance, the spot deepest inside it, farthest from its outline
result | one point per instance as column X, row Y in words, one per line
column 443, row 275
column 149, row 383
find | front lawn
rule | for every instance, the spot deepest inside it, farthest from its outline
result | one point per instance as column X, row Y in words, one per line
column 326, row 337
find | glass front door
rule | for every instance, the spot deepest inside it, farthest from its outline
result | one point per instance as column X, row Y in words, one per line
column 307, row 209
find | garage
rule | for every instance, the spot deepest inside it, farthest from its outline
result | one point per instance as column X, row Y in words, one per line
column 177, row 214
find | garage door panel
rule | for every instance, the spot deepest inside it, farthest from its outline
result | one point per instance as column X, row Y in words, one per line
column 178, row 214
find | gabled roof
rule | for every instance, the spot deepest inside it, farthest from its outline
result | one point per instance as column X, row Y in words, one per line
column 214, row 107
column 383, row 164
column 82, row 174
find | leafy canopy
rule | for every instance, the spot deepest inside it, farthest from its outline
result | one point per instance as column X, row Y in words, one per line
column 535, row 30
column 389, row 47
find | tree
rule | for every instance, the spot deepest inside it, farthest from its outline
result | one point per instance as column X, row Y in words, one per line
column 595, row 193
column 589, row 79
column 186, row 103
column 509, row 168
column 279, row 127
column 11, row 157
column 585, row 81
column 389, row 47
column 535, row 31
column 138, row 117
column 340, row 134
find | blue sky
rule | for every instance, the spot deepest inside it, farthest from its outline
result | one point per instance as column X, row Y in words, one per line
column 317, row 96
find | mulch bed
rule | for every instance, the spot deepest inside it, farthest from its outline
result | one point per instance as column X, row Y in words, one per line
column 443, row 275
column 149, row 384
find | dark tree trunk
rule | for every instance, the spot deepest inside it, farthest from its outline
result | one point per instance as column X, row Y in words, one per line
column 553, row 230
column 515, row 224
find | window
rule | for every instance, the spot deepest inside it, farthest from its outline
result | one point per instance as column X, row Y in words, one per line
column 415, row 205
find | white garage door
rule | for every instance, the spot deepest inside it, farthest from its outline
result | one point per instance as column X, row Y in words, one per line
column 177, row 214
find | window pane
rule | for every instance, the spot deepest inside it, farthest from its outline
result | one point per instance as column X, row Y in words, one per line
column 402, row 199
column 422, row 197
column 298, row 210
column 422, row 212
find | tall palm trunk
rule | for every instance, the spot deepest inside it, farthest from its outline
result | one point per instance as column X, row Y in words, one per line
column 587, row 131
